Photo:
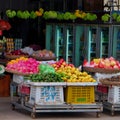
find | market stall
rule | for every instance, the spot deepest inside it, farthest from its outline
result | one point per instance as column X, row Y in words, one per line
column 51, row 87
column 107, row 73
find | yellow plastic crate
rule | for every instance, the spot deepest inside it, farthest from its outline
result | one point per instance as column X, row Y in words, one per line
column 80, row 94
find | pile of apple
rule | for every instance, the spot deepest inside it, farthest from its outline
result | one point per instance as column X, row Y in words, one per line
column 23, row 65
column 71, row 73
column 106, row 63
column 43, row 54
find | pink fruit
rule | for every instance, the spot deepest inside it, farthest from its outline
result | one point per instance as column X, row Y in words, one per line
column 112, row 62
column 85, row 62
column 101, row 65
column 111, row 58
column 115, row 67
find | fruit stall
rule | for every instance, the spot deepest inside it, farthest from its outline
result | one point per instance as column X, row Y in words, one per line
column 51, row 86
column 107, row 73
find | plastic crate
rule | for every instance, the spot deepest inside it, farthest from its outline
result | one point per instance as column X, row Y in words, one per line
column 80, row 94
column 114, row 94
column 102, row 89
column 46, row 95
column 24, row 89
column 9, row 44
column 18, row 43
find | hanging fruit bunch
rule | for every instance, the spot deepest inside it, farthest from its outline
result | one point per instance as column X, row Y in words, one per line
column 80, row 14
column 39, row 12
column 116, row 17
column 11, row 13
column 90, row 16
column 105, row 17
column 24, row 14
column 50, row 14
column 69, row 16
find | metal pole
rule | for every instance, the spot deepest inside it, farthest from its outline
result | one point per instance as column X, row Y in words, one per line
column 118, row 5
column 111, row 9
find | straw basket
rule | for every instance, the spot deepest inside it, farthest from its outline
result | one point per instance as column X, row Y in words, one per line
column 100, row 70
column 43, row 58
column 15, row 56
column 16, row 72
column 108, row 82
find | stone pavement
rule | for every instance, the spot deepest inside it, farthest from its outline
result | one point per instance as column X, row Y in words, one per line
column 6, row 113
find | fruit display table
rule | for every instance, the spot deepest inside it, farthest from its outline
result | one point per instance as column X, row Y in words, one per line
column 107, row 73
column 51, row 87
column 108, row 90
column 112, row 107
column 24, row 100
column 113, row 100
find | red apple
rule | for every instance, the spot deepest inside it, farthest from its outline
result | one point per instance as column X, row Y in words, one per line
column 61, row 60
column 71, row 65
column 91, row 62
column 101, row 64
column 85, row 62
column 117, row 62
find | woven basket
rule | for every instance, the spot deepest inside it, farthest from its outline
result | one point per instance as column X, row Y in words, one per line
column 107, row 82
column 15, row 72
column 44, row 58
column 15, row 56
column 100, row 70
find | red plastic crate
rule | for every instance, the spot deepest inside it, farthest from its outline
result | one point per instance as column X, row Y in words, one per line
column 102, row 89
column 24, row 89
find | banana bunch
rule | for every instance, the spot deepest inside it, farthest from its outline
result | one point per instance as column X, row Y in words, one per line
column 80, row 14
column 39, row 12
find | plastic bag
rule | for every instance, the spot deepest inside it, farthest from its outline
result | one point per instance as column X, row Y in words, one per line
column 46, row 68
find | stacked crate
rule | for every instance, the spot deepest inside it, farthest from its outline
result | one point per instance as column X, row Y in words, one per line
column 9, row 44
column 13, row 44
column 46, row 93
column 17, row 43
column 80, row 93
column 114, row 94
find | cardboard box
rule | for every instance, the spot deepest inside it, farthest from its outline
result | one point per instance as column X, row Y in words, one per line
column 5, row 85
